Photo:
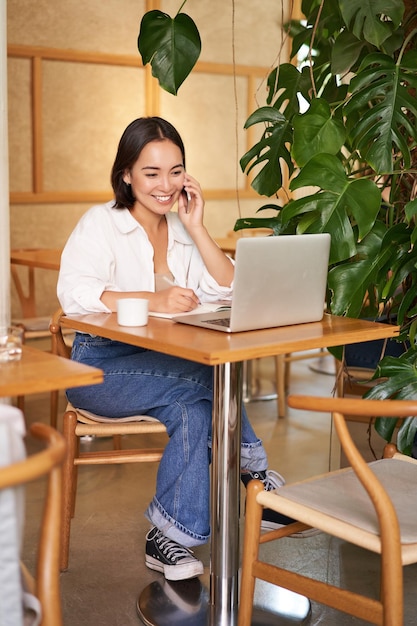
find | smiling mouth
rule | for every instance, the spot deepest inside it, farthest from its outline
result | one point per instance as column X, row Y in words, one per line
column 163, row 198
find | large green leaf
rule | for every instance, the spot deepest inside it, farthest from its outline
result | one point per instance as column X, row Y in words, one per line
column 399, row 381
column 382, row 100
column 274, row 223
column 267, row 153
column 346, row 52
column 315, row 132
column 288, row 82
column 382, row 263
column 330, row 210
column 367, row 18
column 406, row 435
column 322, row 213
column 171, row 46
column 349, row 282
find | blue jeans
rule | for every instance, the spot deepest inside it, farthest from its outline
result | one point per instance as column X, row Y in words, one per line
column 178, row 393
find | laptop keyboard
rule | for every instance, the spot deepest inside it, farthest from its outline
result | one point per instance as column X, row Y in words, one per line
column 221, row 321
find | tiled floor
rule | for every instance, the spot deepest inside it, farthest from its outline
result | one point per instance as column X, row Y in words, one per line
column 106, row 570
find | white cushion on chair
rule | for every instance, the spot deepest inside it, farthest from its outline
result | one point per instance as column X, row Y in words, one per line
column 34, row 324
column 340, row 495
column 111, row 420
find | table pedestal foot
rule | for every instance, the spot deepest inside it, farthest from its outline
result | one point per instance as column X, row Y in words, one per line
column 172, row 603
column 275, row 606
column 186, row 603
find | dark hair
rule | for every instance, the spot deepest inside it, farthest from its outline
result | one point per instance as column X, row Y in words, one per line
column 139, row 133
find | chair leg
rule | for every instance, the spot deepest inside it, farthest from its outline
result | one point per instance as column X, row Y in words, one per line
column 69, row 485
column 281, row 384
column 54, row 408
column 253, row 520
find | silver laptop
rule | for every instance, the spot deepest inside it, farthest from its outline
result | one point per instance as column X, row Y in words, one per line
column 278, row 281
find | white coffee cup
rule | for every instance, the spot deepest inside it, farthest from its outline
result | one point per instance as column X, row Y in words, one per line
column 132, row 312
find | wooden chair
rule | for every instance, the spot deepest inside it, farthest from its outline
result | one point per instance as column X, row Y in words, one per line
column 383, row 521
column 45, row 586
column 78, row 423
column 34, row 326
column 283, row 374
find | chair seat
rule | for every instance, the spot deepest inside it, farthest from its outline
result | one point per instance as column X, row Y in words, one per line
column 92, row 424
column 90, row 418
column 35, row 324
column 341, row 496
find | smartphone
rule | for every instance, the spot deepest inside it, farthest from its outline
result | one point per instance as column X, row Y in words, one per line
column 187, row 199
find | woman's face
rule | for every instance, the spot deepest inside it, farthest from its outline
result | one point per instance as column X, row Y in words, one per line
column 157, row 177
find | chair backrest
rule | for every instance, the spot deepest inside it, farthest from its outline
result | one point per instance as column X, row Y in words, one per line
column 45, row 463
column 59, row 346
column 345, row 408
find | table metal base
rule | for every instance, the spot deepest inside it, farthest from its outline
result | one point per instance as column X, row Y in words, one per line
column 186, row 603
column 172, row 603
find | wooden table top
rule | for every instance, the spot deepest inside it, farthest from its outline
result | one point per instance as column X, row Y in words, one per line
column 45, row 258
column 40, row 371
column 213, row 347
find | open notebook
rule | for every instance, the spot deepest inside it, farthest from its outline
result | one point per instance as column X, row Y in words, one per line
column 278, row 281
column 208, row 307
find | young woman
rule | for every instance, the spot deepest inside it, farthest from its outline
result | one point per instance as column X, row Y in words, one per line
column 135, row 246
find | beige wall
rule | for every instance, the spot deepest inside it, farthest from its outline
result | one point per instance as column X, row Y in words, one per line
column 86, row 106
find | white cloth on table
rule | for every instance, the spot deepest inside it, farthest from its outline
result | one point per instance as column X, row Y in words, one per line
column 17, row 606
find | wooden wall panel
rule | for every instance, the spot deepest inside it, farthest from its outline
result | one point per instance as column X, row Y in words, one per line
column 85, row 109
column 76, row 81
column 20, row 132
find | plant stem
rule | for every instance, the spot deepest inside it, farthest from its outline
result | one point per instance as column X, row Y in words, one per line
column 179, row 10
column 310, row 50
column 404, row 46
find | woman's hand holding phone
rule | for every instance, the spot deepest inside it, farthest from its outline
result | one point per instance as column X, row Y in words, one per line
column 191, row 203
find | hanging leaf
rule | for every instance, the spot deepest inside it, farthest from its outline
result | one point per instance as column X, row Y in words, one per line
column 286, row 85
column 171, row 45
column 382, row 96
column 316, row 131
column 365, row 18
column 269, row 151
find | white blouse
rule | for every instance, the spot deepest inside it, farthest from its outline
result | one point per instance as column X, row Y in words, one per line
column 110, row 251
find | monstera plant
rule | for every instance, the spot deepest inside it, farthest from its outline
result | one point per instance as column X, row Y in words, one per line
column 337, row 153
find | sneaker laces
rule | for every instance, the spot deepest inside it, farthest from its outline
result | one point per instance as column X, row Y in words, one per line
column 173, row 551
column 273, row 480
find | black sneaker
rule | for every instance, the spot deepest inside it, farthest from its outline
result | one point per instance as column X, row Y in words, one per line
column 173, row 560
column 271, row 520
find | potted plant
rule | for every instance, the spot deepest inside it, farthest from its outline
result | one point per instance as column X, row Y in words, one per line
column 340, row 125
